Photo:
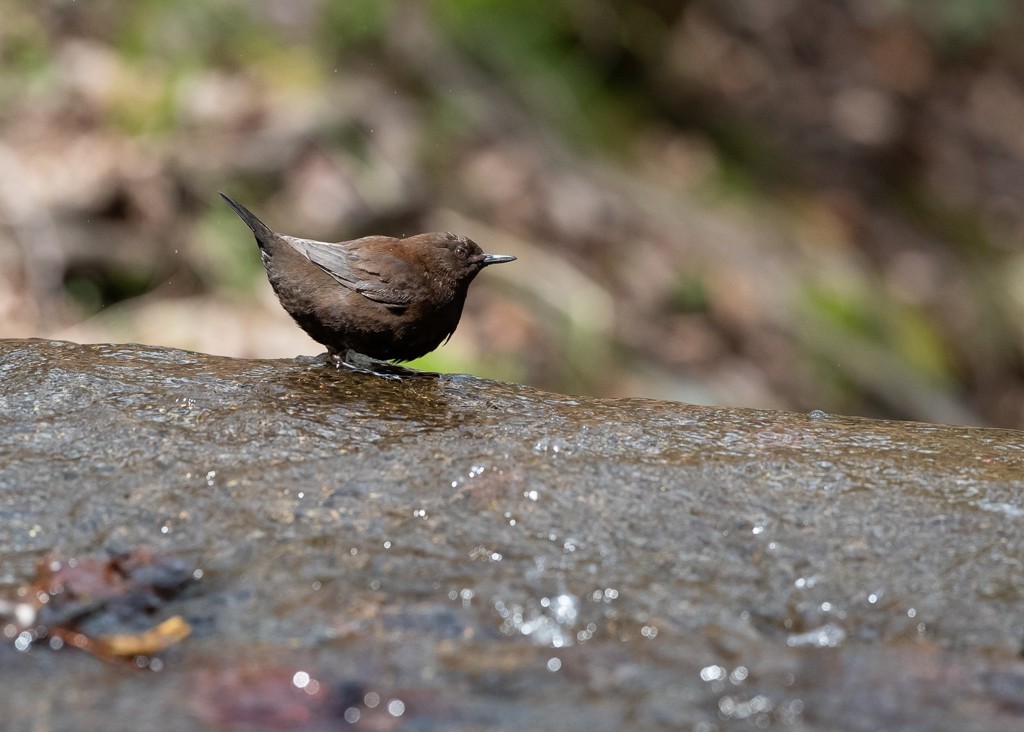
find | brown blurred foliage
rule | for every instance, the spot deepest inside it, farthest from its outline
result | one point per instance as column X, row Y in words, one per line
column 790, row 204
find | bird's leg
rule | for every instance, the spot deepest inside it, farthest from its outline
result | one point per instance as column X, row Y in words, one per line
column 338, row 358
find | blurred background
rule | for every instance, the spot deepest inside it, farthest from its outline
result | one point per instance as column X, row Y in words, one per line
column 790, row 204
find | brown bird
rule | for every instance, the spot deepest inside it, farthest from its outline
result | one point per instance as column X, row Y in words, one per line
column 387, row 298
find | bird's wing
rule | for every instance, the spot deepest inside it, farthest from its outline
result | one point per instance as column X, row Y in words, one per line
column 384, row 277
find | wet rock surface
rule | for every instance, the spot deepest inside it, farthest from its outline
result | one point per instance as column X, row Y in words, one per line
column 445, row 552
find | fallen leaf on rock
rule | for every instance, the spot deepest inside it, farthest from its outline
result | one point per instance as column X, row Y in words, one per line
column 78, row 600
column 168, row 633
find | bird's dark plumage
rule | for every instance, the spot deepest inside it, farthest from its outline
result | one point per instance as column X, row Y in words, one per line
column 391, row 299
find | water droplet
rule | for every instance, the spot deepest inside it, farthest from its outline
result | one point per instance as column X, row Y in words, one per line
column 396, row 707
column 565, row 609
column 553, row 446
column 829, row 635
column 23, row 641
column 712, row 673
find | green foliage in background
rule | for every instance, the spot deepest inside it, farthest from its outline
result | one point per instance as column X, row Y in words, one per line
column 962, row 25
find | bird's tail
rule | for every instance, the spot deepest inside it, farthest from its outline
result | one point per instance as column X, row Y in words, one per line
column 263, row 233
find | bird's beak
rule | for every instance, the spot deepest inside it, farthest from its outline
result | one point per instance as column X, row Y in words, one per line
column 497, row 258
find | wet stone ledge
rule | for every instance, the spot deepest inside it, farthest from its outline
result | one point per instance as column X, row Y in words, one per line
column 446, row 552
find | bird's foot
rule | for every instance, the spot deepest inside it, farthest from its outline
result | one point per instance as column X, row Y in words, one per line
column 366, row 365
